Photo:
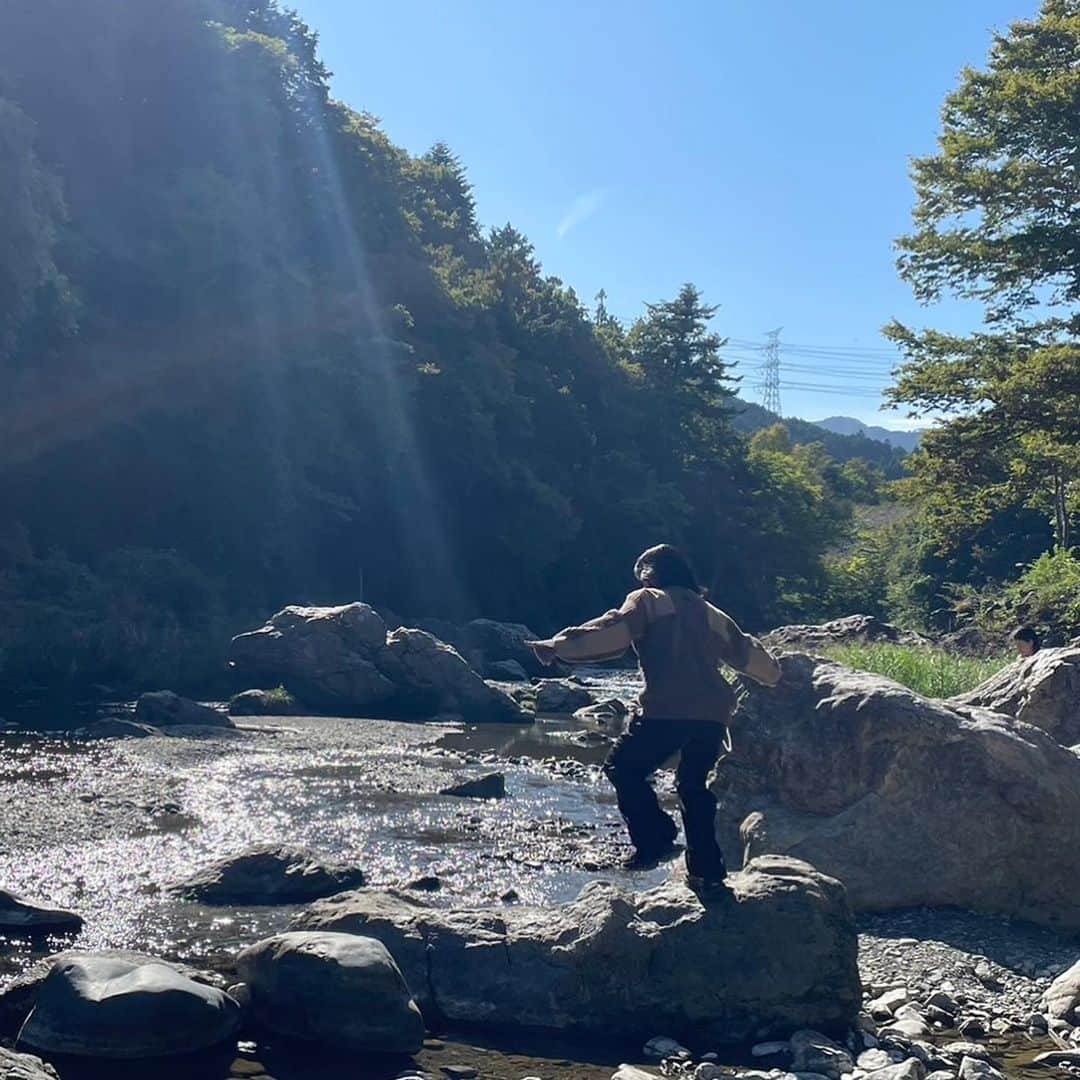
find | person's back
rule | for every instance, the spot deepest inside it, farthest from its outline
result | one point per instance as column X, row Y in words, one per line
column 682, row 641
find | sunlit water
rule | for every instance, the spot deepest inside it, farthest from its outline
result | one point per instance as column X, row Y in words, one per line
column 106, row 827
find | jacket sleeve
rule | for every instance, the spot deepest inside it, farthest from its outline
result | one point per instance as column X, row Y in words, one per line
column 605, row 637
column 741, row 651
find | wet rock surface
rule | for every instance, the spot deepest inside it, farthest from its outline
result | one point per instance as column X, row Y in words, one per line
column 21, row 915
column 269, row 874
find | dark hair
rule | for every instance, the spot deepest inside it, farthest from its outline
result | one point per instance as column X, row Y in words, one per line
column 665, row 567
column 1026, row 633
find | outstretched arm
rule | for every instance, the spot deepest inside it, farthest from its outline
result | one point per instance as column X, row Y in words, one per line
column 743, row 652
column 602, row 638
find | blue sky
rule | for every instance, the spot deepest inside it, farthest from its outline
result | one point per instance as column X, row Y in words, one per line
column 758, row 149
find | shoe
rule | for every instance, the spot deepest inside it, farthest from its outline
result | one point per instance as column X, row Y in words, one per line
column 709, row 888
column 650, row 860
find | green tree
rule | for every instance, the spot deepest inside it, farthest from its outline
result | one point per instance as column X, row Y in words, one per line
column 997, row 215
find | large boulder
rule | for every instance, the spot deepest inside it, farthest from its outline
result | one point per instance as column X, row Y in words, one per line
column 19, row 915
column 19, row 994
column 561, row 697
column 1043, row 690
column 337, row 989
column 269, row 874
column 24, row 1067
column 102, row 1006
column 342, row 660
column 163, row 708
column 776, row 955
column 486, row 642
column 851, row 630
column 908, row 801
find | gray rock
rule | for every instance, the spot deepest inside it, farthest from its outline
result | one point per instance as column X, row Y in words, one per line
column 506, row 671
column 164, row 709
column 489, row 786
column 966, row 1049
column 866, row 780
column 19, row 994
column 632, row 1072
column 263, row 703
column 811, row 1051
column 911, row 1069
column 608, row 715
column 660, row 1047
column 1055, row 1058
column 20, row 915
column 776, row 1048
column 486, row 641
column 1043, row 690
column 1063, row 994
column 341, row 659
column 341, row 990
column 885, row 1005
column 269, row 874
column 559, row 697
column 99, row 1006
column 24, row 1067
column 617, row 962
column 851, row 630
column 941, row 1074
column 978, row 1069
column 872, row 1060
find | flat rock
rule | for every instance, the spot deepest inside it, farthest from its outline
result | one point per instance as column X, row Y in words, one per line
column 560, row 697
column 100, row 1006
column 334, row 989
column 115, row 727
column 269, row 874
column 814, row 1052
column 489, row 786
column 164, row 709
column 20, row 915
column 910, row 802
column 850, row 630
column 777, row 955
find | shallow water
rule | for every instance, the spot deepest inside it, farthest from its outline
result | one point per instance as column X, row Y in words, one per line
column 105, row 827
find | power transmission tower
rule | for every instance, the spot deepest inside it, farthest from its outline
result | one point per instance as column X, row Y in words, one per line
column 770, row 372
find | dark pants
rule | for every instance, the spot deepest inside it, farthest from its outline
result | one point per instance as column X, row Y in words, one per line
column 639, row 752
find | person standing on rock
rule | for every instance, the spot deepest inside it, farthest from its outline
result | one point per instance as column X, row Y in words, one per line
column 682, row 641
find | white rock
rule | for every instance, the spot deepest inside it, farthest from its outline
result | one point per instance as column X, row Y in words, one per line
column 871, row 1060
column 632, row 1072
column 1063, row 994
column 911, row 1069
column 885, row 1006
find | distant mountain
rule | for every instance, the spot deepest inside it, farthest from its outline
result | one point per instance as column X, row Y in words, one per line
column 751, row 417
column 848, row 425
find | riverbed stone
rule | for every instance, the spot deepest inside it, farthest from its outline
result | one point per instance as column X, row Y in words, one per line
column 488, row 786
column 332, row 989
column 164, row 709
column 269, row 874
column 850, row 630
column 778, row 955
column 15, row 1066
column 101, row 1006
column 910, row 802
column 342, row 660
column 978, row 1069
column 1063, row 995
column 812, row 1051
column 116, row 727
column 561, row 697
column 21, row 915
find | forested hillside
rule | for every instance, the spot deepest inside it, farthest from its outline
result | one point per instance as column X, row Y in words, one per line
column 252, row 352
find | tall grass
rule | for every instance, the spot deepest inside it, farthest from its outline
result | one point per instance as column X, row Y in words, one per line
column 930, row 672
